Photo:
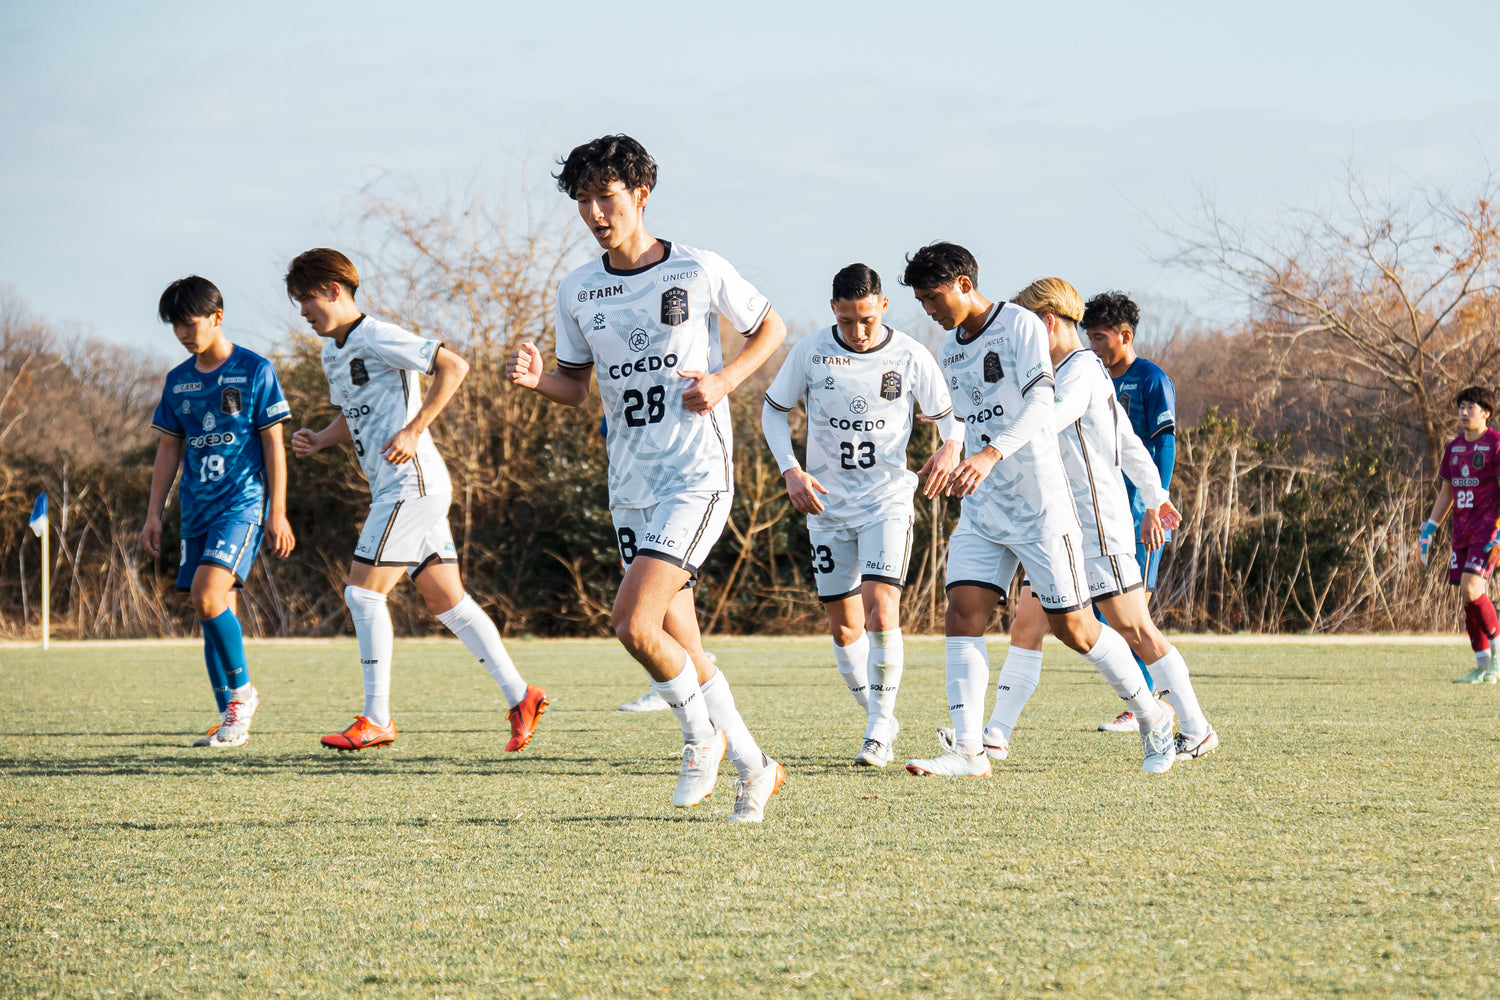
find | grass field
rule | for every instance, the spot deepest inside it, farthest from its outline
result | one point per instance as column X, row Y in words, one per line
column 1340, row 843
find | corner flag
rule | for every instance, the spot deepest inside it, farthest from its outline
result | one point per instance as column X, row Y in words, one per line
column 38, row 522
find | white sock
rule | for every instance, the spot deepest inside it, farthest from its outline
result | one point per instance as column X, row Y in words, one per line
column 968, row 670
column 684, row 698
column 1171, row 672
column 887, row 659
column 852, row 660
column 1482, row 659
column 241, row 694
column 744, row 752
column 1112, row 658
column 477, row 631
column 372, row 627
column 1019, row 675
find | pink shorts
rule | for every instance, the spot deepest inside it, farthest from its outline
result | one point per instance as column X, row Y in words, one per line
column 1467, row 559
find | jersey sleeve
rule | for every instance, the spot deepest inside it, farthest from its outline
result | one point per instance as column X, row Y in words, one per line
column 927, row 386
column 401, row 349
column 271, row 407
column 735, row 298
column 165, row 417
column 1034, row 363
column 1161, row 405
column 1136, row 462
column 572, row 348
column 1071, row 389
column 790, row 383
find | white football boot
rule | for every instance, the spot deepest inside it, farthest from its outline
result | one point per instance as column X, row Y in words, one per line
column 700, row 769
column 648, row 702
column 1187, row 751
column 235, row 730
column 752, row 794
column 874, row 754
column 994, row 747
column 1158, row 745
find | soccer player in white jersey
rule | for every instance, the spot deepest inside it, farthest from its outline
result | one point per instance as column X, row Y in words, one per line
column 1017, row 510
column 643, row 318
column 858, row 379
column 1099, row 447
column 373, row 369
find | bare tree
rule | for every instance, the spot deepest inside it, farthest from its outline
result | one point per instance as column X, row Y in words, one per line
column 1384, row 304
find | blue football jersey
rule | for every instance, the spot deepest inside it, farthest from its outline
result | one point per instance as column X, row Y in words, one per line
column 1150, row 400
column 220, row 415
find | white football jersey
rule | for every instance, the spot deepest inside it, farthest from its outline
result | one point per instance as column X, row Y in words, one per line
column 373, row 381
column 1096, row 440
column 859, row 418
column 1026, row 497
column 637, row 329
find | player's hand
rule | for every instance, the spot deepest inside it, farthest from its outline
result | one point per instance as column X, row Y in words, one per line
column 402, row 447
column 305, row 442
column 939, row 468
column 279, row 531
column 803, row 490
column 1171, row 517
column 151, row 536
column 1424, row 540
column 524, row 368
column 705, row 392
column 1153, row 531
column 971, row 472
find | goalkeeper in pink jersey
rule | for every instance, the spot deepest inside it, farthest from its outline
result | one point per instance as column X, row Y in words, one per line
column 1469, row 480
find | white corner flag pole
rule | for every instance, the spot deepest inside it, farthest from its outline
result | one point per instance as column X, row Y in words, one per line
column 38, row 525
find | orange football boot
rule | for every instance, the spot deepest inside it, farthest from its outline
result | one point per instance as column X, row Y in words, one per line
column 362, row 734
column 523, row 718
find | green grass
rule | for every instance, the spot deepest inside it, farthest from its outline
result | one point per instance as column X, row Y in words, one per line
column 1338, row 844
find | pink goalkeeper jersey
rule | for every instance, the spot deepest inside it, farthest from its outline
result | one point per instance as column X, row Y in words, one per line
column 1472, row 468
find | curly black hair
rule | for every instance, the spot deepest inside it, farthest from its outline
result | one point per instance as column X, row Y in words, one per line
column 1110, row 309
column 939, row 264
column 593, row 165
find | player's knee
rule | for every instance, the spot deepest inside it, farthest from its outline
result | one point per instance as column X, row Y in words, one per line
column 964, row 621
column 207, row 604
column 634, row 633
column 843, row 634
column 363, row 604
column 1078, row 631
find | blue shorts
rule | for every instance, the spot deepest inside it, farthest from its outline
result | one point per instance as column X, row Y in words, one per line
column 1149, row 563
column 231, row 544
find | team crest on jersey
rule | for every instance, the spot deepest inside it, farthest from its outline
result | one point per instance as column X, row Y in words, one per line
column 186, row 407
column 993, row 372
column 1479, row 460
column 229, row 401
column 977, row 395
column 357, row 372
column 858, row 404
column 890, row 385
column 674, row 306
column 209, row 423
column 639, row 340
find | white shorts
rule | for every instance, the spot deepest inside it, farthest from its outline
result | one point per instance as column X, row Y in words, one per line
column 1111, row 576
column 413, row 533
column 843, row 558
column 1055, row 567
column 680, row 531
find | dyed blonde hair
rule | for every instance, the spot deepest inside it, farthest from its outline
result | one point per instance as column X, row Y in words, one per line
column 1051, row 295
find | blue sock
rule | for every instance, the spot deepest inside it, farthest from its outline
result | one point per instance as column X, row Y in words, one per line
column 216, row 677
column 1150, row 684
column 228, row 640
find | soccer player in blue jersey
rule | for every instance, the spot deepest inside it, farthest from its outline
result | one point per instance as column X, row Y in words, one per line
column 220, row 420
column 1150, row 400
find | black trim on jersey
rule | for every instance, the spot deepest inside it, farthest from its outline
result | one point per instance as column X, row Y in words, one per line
column 365, row 561
column 173, row 434
column 889, row 333
column 279, row 420
column 995, row 311
column 1169, row 428
column 432, row 365
column 339, row 344
column 939, row 416
column 728, row 462
column 416, row 462
column 581, row 366
column 841, row 597
column 759, row 320
column 871, row 578
column 1088, row 469
column 981, row 584
column 626, row 272
column 776, row 405
column 1032, row 384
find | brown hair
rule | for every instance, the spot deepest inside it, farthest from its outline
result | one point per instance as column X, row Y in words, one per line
column 315, row 270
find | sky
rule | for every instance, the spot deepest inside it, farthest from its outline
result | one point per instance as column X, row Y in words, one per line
column 141, row 142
